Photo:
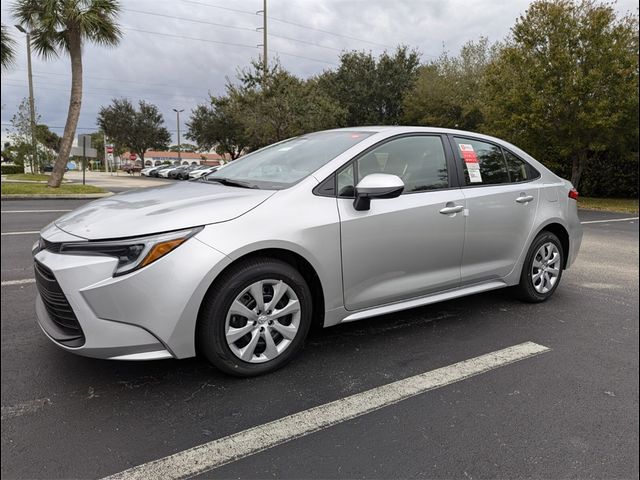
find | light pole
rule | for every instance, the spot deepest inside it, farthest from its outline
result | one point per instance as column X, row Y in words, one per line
column 32, row 108
column 178, row 121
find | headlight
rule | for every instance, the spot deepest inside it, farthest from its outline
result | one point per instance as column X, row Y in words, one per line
column 132, row 253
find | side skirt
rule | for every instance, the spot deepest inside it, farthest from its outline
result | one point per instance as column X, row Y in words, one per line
column 426, row 300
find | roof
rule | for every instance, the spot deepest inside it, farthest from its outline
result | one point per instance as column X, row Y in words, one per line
column 185, row 155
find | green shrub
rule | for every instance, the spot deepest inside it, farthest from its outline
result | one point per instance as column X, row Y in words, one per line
column 9, row 169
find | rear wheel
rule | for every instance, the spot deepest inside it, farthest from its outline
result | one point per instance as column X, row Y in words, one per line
column 542, row 269
column 255, row 318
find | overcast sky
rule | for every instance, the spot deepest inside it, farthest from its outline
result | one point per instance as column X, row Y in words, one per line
column 172, row 62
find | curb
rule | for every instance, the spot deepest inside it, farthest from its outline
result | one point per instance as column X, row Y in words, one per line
column 44, row 196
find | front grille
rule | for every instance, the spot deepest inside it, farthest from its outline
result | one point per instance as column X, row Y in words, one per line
column 56, row 302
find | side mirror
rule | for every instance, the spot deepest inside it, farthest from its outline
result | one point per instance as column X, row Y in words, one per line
column 376, row 185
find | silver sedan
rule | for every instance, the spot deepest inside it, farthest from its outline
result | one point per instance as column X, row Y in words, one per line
column 329, row 227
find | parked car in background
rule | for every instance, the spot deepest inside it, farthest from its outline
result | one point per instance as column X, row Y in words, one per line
column 177, row 172
column 49, row 168
column 156, row 172
column 327, row 227
column 202, row 171
column 131, row 168
column 145, row 171
column 184, row 174
column 164, row 173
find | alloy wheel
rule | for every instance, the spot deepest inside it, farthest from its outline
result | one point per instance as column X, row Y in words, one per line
column 545, row 269
column 262, row 321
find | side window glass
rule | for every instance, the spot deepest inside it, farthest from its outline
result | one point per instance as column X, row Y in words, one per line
column 345, row 182
column 518, row 171
column 418, row 160
column 483, row 162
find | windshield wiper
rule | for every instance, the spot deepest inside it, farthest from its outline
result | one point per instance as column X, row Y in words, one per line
column 231, row 183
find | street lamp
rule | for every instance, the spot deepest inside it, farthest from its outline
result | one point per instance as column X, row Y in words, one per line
column 32, row 108
column 178, row 122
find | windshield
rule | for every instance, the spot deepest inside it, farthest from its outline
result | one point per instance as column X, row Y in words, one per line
column 281, row 165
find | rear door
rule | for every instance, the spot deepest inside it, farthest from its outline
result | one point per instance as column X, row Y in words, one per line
column 501, row 200
column 402, row 247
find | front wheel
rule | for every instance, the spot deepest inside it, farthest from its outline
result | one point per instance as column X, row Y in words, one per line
column 542, row 269
column 255, row 318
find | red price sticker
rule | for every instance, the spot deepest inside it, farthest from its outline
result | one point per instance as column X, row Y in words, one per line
column 468, row 154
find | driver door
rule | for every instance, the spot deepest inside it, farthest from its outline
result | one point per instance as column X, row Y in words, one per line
column 403, row 247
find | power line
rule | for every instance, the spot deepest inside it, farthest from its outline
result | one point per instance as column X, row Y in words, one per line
column 192, row 20
column 163, row 34
column 110, row 79
column 253, row 30
column 107, row 94
column 240, row 45
column 299, row 25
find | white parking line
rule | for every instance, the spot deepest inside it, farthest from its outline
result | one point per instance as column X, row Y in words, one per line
column 23, row 408
column 24, row 281
column 612, row 220
column 32, row 211
column 216, row 453
column 33, row 232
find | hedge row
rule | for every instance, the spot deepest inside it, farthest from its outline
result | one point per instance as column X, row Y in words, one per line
column 9, row 169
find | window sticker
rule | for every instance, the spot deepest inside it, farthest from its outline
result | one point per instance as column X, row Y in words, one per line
column 471, row 161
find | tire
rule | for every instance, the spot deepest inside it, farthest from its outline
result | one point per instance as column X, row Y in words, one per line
column 245, row 356
column 542, row 269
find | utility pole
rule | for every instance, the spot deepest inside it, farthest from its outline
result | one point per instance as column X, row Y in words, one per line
column 104, row 148
column 84, row 157
column 265, row 58
column 178, row 122
column 32, row 107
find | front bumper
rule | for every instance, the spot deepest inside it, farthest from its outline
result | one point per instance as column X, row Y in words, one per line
column 147, row 314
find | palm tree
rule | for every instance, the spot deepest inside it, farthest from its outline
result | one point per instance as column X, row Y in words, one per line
column 64, row 26
column 8, row 52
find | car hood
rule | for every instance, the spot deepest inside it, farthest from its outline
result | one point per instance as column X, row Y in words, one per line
column 160, row 209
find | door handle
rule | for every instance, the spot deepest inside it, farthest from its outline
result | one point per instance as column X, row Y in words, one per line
column 453, row 209
column 524, row 198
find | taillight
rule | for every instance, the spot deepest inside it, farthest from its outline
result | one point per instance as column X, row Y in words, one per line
column 573, row 193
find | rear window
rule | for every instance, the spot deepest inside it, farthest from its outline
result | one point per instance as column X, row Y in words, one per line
column 483, row 162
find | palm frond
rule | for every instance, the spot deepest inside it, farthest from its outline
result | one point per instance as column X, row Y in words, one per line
column 51, row 22
column 8, row 50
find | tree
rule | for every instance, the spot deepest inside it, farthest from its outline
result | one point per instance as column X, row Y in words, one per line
column 138, row 130
column 447, row 90
column 63, row 26
column 7, row 50
column 565, row 86
column 278, row 105
column 218, row 125
column 184, row 147
column 47, row 138
column 371, row 90
column 21, row 138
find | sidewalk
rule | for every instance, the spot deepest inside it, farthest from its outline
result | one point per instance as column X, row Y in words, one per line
column 120, row 181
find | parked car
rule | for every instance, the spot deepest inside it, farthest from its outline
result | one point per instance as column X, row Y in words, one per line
column 177, row 172
column 49, row 168
column 164, row 173
column 145, row 171
column 156, row 172
column 328, row 227
column 202, row 171
column 184, row 175
column 131, row 168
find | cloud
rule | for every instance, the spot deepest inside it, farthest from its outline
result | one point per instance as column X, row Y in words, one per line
column 156, row 63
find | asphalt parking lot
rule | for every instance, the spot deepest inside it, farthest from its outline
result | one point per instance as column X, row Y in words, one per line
column 569, row 412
